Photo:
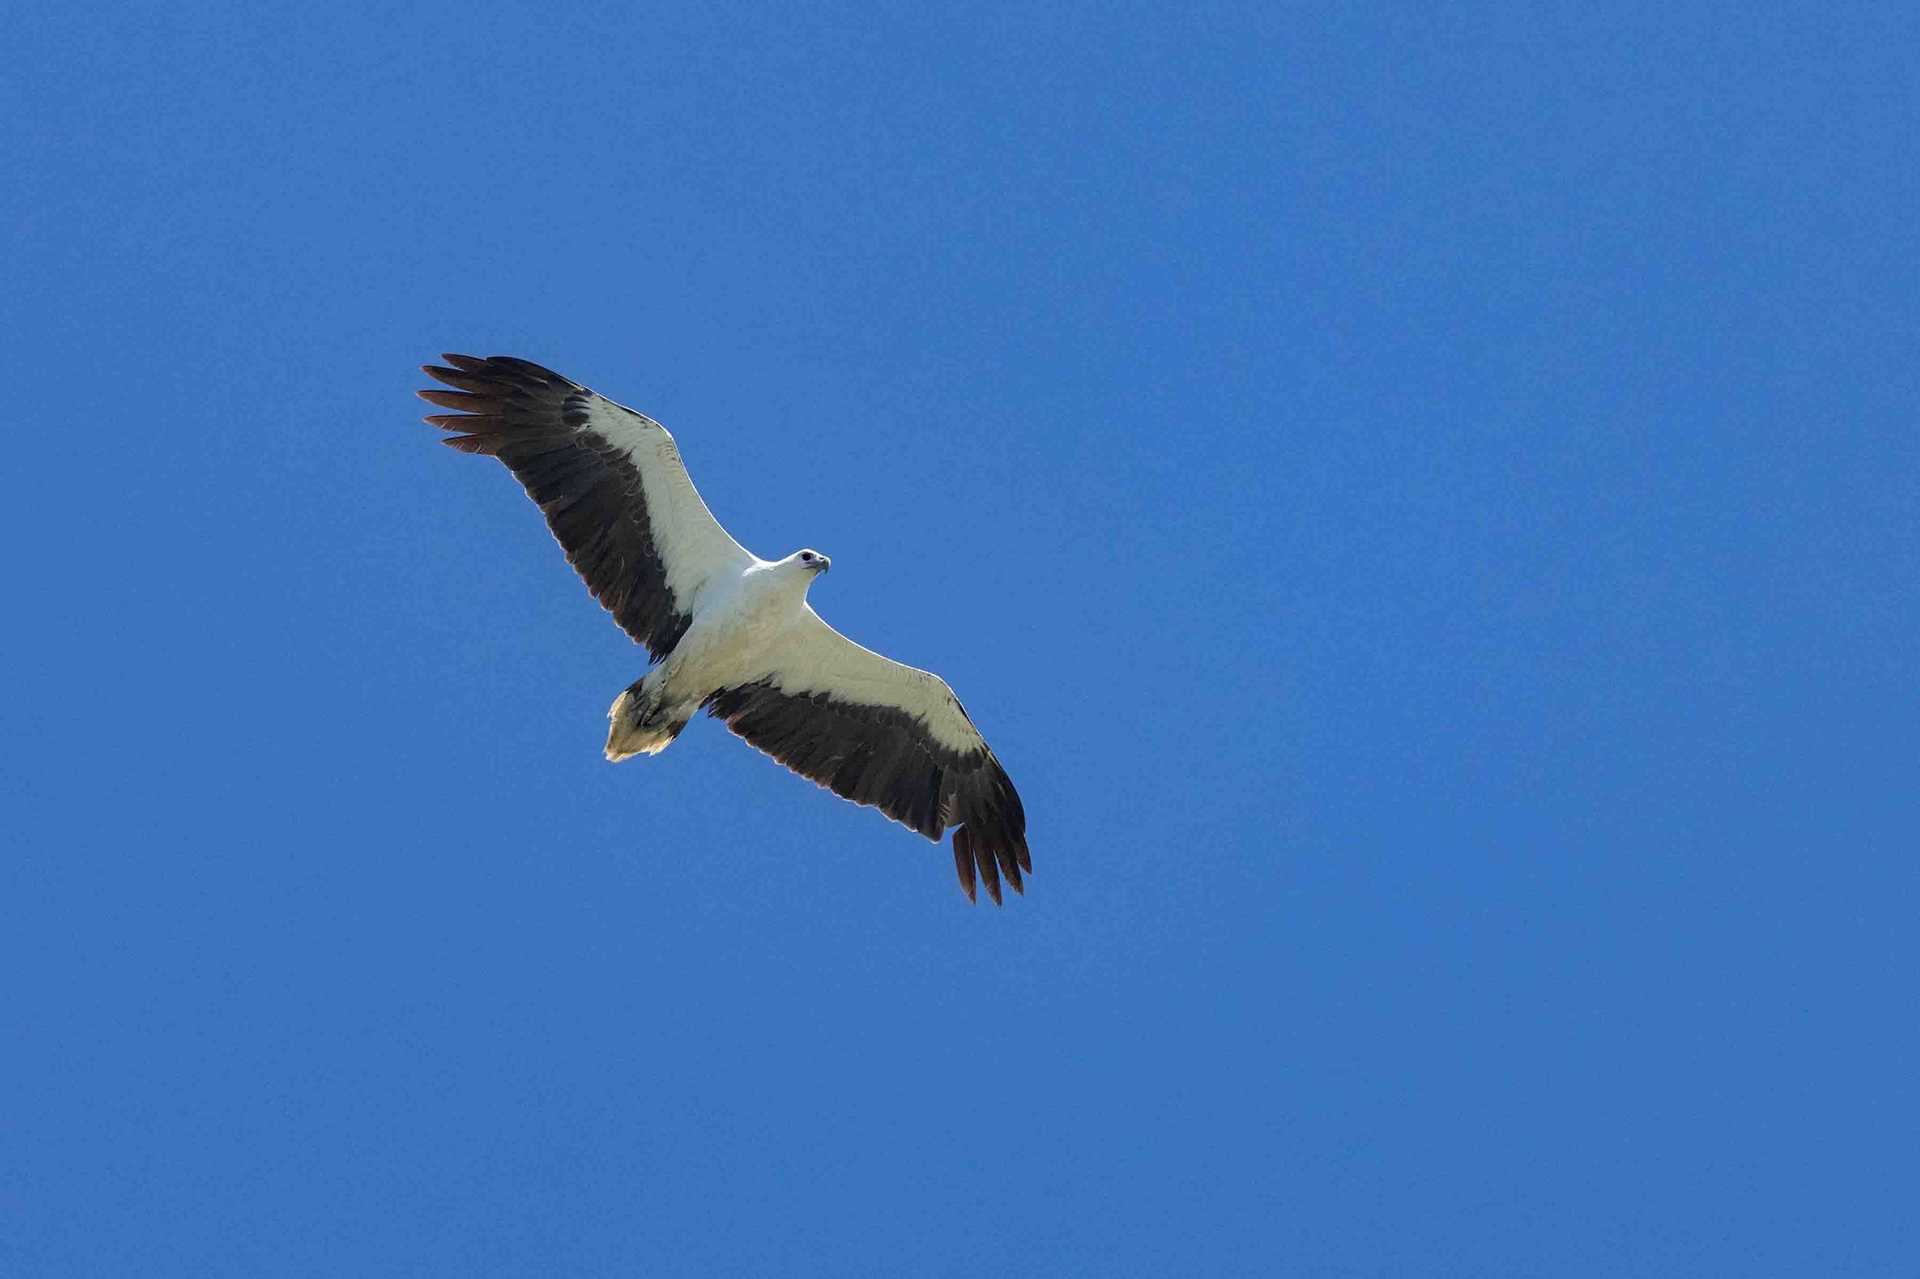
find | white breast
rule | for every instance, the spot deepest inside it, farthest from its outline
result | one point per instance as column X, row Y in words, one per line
column 736, row 629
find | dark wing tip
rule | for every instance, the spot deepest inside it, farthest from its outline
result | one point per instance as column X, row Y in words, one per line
column 988, row 865
column 465, row 400
column 500, row 368
column 963, row 863
column 1009, row 868
column 992, row 834
column 514, row 365
column 460, row 421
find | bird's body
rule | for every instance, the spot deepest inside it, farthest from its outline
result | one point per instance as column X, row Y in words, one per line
column 731, row 633
column 744, row 621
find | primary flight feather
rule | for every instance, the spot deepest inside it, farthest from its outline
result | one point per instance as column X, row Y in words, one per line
column 732, row 634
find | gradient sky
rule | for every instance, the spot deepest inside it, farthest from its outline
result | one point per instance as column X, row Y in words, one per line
column 1424, row 505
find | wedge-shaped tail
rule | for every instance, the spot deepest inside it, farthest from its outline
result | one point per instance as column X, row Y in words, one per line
column 638, row 726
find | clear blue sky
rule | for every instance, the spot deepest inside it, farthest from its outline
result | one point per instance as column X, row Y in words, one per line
column 1424, row 505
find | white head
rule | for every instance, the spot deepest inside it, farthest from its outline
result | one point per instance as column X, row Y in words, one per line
column 809, row 563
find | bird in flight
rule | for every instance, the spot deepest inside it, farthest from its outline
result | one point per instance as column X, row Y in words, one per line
column 729, row 632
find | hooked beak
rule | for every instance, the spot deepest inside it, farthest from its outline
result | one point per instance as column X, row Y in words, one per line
column 824, row 565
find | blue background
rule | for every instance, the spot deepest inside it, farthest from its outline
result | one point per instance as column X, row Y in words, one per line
column 1424, row 505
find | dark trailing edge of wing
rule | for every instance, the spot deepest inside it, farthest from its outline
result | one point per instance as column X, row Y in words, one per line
column 535, row 421
column 883, row 757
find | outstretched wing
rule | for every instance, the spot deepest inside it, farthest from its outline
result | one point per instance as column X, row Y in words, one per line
column 609, row 480
column 887, row 735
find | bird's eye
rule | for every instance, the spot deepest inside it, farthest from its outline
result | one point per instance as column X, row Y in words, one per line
column 807, row 557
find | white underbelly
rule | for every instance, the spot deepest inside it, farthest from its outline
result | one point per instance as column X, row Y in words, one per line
column 725, row 649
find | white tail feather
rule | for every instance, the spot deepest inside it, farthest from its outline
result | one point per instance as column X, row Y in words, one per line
column 638, row 727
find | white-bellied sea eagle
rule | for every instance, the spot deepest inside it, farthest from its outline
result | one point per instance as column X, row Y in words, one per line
column 731, row 633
